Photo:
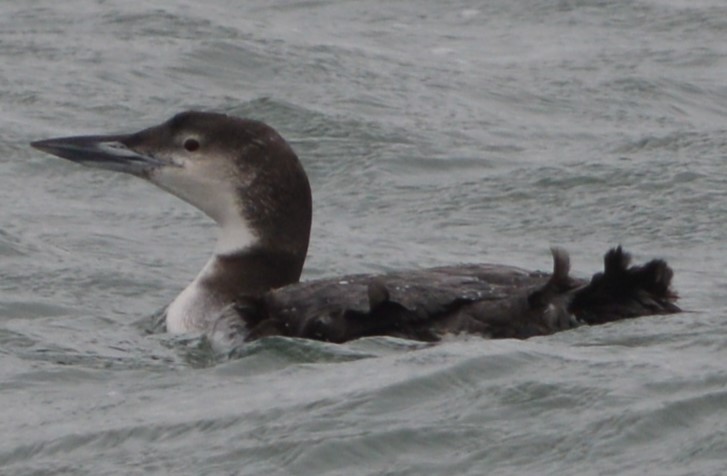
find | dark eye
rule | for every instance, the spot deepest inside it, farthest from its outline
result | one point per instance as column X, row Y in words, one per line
column 191, row 144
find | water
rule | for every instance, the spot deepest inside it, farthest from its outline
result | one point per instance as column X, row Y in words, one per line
column 433, row 132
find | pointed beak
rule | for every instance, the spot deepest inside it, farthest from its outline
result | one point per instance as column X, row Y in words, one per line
column 103, row 152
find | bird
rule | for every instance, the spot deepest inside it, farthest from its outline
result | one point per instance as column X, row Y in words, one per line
column 243, row 175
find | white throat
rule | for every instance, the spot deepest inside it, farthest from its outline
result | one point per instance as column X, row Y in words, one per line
column 235, row 235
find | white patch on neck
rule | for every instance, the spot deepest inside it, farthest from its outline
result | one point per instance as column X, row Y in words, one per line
column 235, row 235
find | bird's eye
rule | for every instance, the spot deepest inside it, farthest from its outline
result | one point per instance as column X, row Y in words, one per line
column 191, row 144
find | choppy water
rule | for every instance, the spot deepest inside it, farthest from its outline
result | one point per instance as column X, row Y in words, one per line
column 433, row 132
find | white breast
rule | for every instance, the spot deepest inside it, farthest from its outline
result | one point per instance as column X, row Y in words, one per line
column 195, row 309
column 187, row 311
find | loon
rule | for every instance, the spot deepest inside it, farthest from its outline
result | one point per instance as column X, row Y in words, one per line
column 243, row 175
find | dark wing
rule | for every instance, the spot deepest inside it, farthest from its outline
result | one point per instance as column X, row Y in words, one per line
column 488, row 300
column 422, row 304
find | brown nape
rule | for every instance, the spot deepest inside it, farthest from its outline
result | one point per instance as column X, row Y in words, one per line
column 277, row 202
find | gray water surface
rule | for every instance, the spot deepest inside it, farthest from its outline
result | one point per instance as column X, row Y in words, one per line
column 433, row 132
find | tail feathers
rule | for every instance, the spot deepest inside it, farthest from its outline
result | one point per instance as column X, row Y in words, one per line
column 559, row 282
column 623, row 291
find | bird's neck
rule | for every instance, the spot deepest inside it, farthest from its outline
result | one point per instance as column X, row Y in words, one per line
column 241, row 266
